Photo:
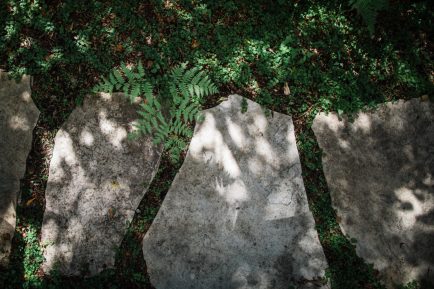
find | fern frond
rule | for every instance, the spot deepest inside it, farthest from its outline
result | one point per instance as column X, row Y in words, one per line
column 369, row 9
column 187, row 88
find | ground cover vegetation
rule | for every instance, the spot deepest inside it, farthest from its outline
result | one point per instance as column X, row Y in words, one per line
column 295, row 57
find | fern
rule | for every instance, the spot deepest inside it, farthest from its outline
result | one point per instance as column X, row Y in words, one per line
column 369, row 9
column 131, row 82
column 186, row 90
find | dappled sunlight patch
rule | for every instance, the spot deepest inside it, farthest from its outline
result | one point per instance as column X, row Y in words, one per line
column 18, row 118
column 428, row 180
column 96, row 181
column 209, row 138
column 362, row 123
column 235, row 194
column 19, row 122
column 64, row 155
column 236, row 133
column 378, row 168
column 241, row 187
column 408, row 208
column 281, row 205
column 86, row 137
column 264, row 149
column 115, row 133
column 245, row 277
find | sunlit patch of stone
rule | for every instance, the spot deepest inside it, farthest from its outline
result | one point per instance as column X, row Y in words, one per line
column 9, row 218
column 26, row 96
column 209, row 138
column 264, row 149
column 86, row 137
column 234, row 194
column 408, row 217
column 344, row 144
column 19, row 122
column 115, row 134
column 65, row 154
column 306, row 246
column 331, row 121
column 244, row 272
column 279, row 206
column 362, row 123
column 236, row 133
column 428, row 180
column 260, row 122
column 292, row 154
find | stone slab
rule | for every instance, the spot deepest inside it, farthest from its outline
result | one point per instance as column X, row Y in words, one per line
column 380, row 171
column 18, row 117
column 97, row 179
column 236, row 215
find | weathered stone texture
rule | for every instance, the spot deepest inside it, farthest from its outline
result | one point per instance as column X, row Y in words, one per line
column 380, row 171
column 18, row 117
column 236, row 215
column 97, row 179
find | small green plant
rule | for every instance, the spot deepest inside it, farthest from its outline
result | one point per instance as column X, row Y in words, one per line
column 32, row 255
column 410, row 285
column 369, row 9
column 244, row 105
column 182, row 98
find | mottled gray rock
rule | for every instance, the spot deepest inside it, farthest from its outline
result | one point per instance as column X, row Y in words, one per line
column 96, row 181
column 236, row 215
column 380, row 171
column 18, row 117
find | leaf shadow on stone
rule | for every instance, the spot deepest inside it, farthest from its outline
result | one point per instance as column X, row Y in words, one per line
column 18, row 117
column 97, row 179
column 227, row 221
column 381, row 178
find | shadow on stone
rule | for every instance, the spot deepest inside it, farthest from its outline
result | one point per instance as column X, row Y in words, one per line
column 380, row 171
column 236, row 215
column 96, row 181
column 18, row 117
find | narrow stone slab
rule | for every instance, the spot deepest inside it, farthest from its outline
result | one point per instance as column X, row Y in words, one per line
column 96, row 181
column 380, row 171
column 236, row 215
column 18, row 117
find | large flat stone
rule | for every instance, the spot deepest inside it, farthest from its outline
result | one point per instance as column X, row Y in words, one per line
column 380, row 171
column 236, row 215
column 96, row 181
column 18, row 117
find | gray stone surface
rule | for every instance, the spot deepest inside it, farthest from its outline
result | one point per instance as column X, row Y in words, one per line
column 97, row 179
column 380, row 171
column 18, row 117
column 236, row 215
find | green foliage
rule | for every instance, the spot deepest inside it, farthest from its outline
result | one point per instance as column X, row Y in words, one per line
column 32, row 253
column 131, row 82
column 369, row 9
column 410, row 285
column 244, row 105
column 170, row 125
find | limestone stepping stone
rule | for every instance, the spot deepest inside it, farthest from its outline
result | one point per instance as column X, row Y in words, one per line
column 380, row 171
column 236, row 215
column 18, row 117
column 96, row 181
